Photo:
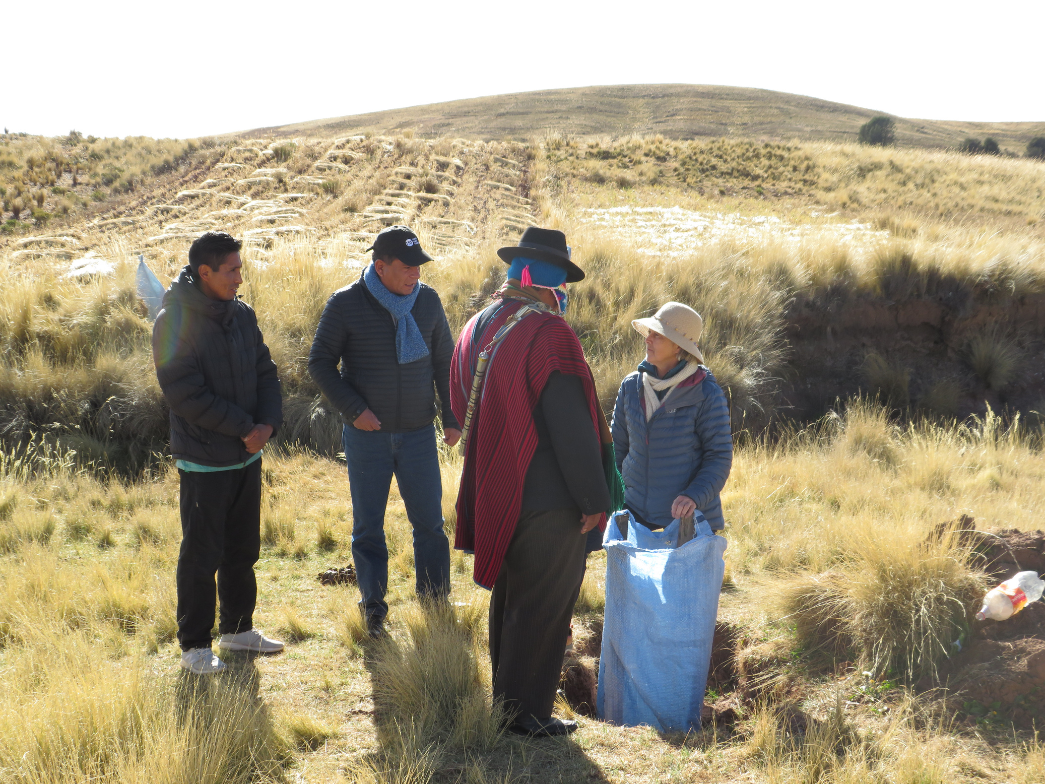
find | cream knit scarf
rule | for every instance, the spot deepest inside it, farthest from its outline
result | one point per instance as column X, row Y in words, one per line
column 651, row 386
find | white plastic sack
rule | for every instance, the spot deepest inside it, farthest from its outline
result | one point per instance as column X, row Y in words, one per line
column 149, row 288
column 661, row 606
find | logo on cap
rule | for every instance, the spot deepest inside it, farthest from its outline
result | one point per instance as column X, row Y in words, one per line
column 413, row 241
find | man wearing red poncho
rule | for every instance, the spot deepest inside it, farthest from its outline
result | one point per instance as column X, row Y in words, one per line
column 533, row 485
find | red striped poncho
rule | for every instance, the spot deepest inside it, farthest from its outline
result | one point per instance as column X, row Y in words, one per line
column 503, row 438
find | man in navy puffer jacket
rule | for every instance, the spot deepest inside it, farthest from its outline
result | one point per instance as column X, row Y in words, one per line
column 225, row 404
column 389, row 334
column 672, row 437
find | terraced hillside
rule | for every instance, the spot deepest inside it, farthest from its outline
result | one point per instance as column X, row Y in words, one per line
column 333, row 193
column 823, row 271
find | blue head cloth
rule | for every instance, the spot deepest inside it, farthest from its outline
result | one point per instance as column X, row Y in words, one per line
column 541, row 273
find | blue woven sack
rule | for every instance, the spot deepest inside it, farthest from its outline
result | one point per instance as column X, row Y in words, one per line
column 661, row 606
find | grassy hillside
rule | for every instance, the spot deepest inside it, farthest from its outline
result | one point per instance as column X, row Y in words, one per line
column 823, row 270
column 677, row 111
column 876, row 315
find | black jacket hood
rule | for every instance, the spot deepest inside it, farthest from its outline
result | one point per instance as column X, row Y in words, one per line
column 185, row 290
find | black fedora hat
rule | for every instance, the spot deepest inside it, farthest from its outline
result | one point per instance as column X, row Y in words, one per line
column 544, row 245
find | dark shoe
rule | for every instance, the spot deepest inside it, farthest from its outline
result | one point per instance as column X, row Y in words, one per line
column 542, row 728
column 375, row 627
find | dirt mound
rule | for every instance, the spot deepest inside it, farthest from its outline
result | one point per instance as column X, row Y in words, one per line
column 999, row 675
column 578, row 685
column 999, row 553
column 722, row 673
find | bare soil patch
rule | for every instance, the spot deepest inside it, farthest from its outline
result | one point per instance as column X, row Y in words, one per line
column 999, row 674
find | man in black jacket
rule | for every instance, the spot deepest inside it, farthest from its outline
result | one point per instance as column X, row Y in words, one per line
column 389, row 333
column 225, row 404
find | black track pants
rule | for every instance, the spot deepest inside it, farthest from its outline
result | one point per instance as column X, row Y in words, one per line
column 221, row 533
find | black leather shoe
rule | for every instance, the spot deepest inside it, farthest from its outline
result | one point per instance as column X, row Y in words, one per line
column 375, row 627
column 542, row 728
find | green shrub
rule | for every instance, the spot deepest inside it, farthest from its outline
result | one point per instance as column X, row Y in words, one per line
column 1036, row 147
column 971, row 146
column 990, row 146
column 877, row 131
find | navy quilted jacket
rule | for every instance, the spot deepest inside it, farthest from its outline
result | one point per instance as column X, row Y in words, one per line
column 215, row 372
column 357, row 332
column 686, row 448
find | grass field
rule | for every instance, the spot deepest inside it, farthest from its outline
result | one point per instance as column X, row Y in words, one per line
column 94, row 690
column 797, row 254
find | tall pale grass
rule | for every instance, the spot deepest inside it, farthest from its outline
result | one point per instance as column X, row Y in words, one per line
column 99, row 720
column 808, row 499
column 432, row 688
column 897, row 607
column 908, row 747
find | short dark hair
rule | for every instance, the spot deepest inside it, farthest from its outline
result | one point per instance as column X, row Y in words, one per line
column 211, row 249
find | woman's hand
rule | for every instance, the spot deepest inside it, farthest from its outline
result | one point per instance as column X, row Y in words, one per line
column 682, row 507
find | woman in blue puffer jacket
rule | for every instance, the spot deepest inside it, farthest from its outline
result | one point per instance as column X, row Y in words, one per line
column 671, row 428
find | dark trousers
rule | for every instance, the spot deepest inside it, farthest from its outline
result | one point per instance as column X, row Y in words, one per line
column 531, row 607
column 221, row 533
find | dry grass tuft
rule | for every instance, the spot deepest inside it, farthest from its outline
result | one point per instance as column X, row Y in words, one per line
column 307, row 732
column 897, row 605
column 432, row 687
column 888, row 380
column 909, row 747
column 994, row 358
column 865, row 429
column 294, row 628
column 941, row 399
column 592, row 597
column 99, row 721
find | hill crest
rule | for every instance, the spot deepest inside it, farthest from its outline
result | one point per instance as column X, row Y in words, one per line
column 677, row 111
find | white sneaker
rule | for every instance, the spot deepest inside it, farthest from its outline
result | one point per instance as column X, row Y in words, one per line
column 252, row 640
column 201, row 661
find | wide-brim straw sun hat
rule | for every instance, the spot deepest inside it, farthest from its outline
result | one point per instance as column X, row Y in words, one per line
column 678, row 323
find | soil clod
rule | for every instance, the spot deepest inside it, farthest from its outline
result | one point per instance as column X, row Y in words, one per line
column 335, row 576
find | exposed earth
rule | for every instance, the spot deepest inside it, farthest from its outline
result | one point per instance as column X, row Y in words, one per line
column 997, row 677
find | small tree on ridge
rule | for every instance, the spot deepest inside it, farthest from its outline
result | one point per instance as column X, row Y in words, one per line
column 877, row 131
column 971, row 146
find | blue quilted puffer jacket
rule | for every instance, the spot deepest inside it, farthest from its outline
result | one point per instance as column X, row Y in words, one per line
column 686, row 448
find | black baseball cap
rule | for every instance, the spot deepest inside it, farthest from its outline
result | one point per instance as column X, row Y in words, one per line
column 400, row 242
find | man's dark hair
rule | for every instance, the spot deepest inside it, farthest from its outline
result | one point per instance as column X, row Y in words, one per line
column 211, row 249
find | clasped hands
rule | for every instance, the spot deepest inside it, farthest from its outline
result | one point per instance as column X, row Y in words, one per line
column 257, row 438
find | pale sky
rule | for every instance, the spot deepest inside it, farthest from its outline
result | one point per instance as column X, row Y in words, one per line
column 199, row 67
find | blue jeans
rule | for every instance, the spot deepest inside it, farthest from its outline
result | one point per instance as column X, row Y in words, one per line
column 373, row 457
